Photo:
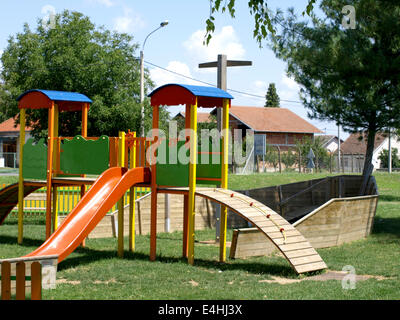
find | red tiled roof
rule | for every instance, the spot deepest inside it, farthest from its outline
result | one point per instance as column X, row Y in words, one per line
column 355, row 145
column 201, row 116
column 9, row 126
column 272, row 120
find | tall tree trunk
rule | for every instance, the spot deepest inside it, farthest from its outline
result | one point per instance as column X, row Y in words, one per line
column 368, row 166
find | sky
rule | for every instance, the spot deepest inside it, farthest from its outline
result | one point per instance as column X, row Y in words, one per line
column 178, row 47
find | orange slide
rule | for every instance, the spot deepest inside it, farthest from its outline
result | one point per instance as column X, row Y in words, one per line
column 94, row 205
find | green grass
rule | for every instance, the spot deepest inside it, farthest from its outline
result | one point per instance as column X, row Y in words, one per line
column 95, row 272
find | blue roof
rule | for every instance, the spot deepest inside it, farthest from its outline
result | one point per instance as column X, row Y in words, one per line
column 200, row 91
column 60, row 96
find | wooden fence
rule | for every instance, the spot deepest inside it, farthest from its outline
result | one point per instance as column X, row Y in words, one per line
column 25, row 278
column 20, row 279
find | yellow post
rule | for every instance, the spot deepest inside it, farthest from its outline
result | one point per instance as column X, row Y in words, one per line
column 56, row 165
column 50, row 146
column 22, row 123
column 55, row 208
column 121, row 201
column 192, row 182
column 132, row 199
column 224, row 178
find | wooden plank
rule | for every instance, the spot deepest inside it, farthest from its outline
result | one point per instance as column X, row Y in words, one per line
column 288, row 233
column 255, row 246
column 295, row 246
column 234, row 241
column 289, row 240
column 5, row 280
column 306, row 228
column 36, row 281
column 310, row 267
column 20, row 280
column 306, row 260
column 264, row 221
column 300, row 253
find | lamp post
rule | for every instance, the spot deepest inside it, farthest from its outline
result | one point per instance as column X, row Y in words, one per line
column 162, row 24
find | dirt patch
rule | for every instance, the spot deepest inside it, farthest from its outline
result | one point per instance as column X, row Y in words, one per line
column 329, row 275
column 105, row 282
column 193, row 283
column 61, row 281
column 77, row 282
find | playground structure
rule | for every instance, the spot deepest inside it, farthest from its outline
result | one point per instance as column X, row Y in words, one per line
column 128, row 161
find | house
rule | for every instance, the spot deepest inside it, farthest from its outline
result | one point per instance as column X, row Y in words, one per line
column 9, row 143
column 202, row 117
column 280, row 126
column 356, row 144
column 330, row 142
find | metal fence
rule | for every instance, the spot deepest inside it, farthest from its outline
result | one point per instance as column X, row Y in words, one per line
column 277, row 160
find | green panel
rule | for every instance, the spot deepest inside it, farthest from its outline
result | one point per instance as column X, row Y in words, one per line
column 35, row 160
column 172, row 174
column 81, row 156
column 209, row 166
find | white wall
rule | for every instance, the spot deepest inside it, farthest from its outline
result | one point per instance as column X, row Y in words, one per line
column 385, row 146
column 332, row 146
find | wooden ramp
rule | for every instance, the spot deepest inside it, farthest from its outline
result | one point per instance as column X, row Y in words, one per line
column 9, row 197
column 288, row 240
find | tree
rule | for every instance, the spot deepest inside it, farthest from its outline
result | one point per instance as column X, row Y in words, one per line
column 288, row 159
column 349, row 76
column 272, row 97
column 384, row 158
column 76, row 56
column 257, row 8
column 271, row 156
column 316, row 144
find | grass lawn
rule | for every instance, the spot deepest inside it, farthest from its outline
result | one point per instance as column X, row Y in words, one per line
column 95, row 272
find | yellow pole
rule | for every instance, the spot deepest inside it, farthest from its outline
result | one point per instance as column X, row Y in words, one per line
column 56, row 165
column 55, row 208
column 22, row 122
column 121, row 201
column 224, row 178
column 192, row 182
column 50, row 146
column 132, row 199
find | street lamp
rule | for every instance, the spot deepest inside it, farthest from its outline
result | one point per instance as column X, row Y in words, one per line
column 162, row 24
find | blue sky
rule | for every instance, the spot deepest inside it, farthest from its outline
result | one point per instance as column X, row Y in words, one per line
column 179, row 46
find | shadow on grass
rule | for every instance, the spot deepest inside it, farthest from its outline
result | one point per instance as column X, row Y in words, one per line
column 92, row 255
column 389, row 226
column 27, row 242
column 388, row 197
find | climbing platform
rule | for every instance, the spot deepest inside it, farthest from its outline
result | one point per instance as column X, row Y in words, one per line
column 288, row 240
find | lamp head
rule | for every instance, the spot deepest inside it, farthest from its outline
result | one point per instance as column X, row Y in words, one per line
column 164, row 23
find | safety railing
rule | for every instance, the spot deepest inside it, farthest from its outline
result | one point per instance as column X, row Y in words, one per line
column 67, row 199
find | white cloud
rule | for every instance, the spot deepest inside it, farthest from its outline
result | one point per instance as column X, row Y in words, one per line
column 128, row 22
column 223, row 42
column 161, row 77
column 290, row 83
column 107, row 3
column 260, row 87
column 290, row 89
